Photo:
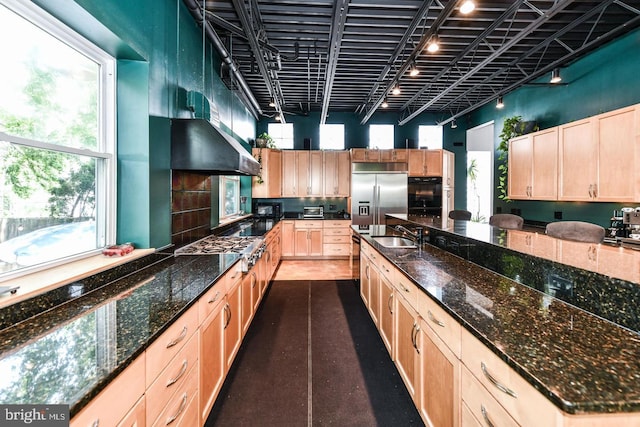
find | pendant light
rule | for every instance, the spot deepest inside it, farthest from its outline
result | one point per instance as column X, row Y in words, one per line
column 433, row 46
column 384, row 104
column 467, row 7
column 396, row 89
column 414, row 71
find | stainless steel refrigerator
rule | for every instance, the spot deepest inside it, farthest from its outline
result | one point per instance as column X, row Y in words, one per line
column 374, row 194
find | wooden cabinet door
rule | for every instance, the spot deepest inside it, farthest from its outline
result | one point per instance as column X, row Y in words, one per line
column 415, row 162
column 374, row 293
column 578, row 160
column 249, row 289
column 212, row 359
column 385, row 318
column 315, row 242
column 137, row 416
column 406, row 345
column 520, row 163
column 358, row 154
column 393, row 156
column 288, row 238
column 448, row 195
column 289, row 174
column 301, row 241
column 309, row 173
column 439, row 380
column 544, row 168
column 618, row 147
column 233, row 323
column 433, row 162
column 337, row 173
column 365, row 278
column 271, row 174
column 448, row 168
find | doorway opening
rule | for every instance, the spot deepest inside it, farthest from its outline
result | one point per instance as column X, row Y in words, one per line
column 480, row 141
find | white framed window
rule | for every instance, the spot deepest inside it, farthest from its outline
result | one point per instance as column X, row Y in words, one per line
column 229, row 196
column 381, row 136
column 430, row 136
column 57, row 142
column 282, row 134
column 332, row 137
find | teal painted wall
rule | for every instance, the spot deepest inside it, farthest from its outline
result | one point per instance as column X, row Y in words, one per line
column 603, row 81
column 160, row 58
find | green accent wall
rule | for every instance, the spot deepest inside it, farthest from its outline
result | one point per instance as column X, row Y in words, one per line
column 160, row 55
column 605, row 80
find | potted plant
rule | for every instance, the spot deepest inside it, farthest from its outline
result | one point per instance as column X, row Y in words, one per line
column 264, row 140
column 513, row 126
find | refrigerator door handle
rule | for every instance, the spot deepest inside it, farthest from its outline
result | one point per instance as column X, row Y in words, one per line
column 378, row 205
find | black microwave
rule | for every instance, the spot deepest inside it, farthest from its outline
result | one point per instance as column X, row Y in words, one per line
column 271, row 210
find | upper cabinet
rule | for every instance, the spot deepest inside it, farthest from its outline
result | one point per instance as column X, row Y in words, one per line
column 598, row 157
column 337, row 173
column 533, row 166
column 269, row 183
column 425, row 162
column 302, row 173
column 364, row 155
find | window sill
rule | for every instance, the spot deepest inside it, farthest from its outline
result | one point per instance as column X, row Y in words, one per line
column 232, row 219
column 45, row 280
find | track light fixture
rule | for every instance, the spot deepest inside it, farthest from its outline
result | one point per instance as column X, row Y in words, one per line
column 414, row 71
column 500, row 103
column 555, row 76
column 454, row 124
column 278, row 117
column 396, row 89
column 384, row 104
column 272, row 103
column 467, row 7
column 433, row 45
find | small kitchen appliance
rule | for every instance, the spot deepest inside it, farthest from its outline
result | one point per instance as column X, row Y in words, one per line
column 313, row 212
column 267, row 210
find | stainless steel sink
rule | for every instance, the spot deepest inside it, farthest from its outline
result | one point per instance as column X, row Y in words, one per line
column 394, row 242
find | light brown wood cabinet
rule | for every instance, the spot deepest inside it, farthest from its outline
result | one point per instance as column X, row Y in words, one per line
column 364, row 155
column 337, row 174
column 307, row 239
column 233, row 322
column 533, row 166
column 393, row 155
column 386, row 317
column 425, row 162
column 287, row 238
column 336, row 238
column 598, row 157
column 406, row 356
column 302, row 173
column 270, row 173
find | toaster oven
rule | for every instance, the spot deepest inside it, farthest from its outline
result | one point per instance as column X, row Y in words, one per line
column 313, row 212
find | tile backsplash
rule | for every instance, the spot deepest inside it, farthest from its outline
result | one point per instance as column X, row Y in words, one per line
column 190, row 207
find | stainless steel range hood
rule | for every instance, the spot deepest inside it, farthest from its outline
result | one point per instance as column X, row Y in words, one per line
column 199, row 146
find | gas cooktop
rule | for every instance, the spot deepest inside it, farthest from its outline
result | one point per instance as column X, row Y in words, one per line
column 212, row 245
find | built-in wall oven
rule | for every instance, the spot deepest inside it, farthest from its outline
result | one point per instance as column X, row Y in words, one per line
column 424, row 196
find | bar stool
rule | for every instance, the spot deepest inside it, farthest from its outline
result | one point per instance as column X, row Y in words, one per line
column 507, row 221
column 577, row 231
column 460, row 214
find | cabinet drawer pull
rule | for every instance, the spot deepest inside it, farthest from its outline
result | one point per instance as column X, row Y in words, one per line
column 434, row 320
column 389, row 303
column 179, row 411
column 175, row 379
column 96, row 423
column 215, row 298
column 182, row 336
column 414, row 336
column 403, row 288
column 495, row 382
column 254, row 279
column 227, row 310
column 486, row 416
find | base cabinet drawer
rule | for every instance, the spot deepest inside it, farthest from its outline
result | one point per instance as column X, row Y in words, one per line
column 482, row 404
column 331, row 249
column 178, row 406
column 524, row 403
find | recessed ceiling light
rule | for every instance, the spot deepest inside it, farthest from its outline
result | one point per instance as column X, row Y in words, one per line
column 467, row 6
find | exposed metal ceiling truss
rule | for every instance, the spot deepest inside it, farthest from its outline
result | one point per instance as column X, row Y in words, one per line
column 346, row 55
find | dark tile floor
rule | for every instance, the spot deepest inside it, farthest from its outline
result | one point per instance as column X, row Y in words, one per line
column 313, row 357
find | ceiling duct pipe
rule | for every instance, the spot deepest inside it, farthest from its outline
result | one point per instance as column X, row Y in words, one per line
column 196, row 12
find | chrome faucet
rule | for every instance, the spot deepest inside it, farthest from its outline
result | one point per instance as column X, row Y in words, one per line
column 416, row 236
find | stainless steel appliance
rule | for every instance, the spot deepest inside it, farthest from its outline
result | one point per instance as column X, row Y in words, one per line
column 375, row 193
column 249, row 247
column 267, row 210
column 313, row 212
column 425, row 196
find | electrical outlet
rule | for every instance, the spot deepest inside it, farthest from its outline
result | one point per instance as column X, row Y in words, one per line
column 332, row 207
column 557, row 215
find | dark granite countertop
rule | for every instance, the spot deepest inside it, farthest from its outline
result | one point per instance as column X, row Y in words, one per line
column 579, row 361
column 69, row 353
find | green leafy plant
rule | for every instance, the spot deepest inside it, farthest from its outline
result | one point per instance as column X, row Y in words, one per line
column 511, row 128
column 264, row 140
